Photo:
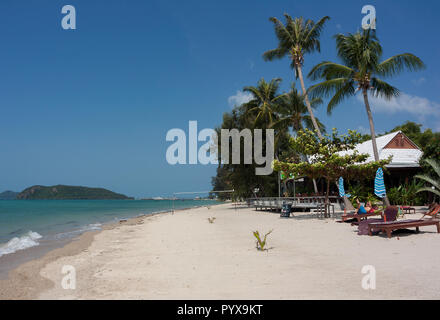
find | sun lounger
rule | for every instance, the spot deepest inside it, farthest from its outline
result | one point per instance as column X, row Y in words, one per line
column 350, row 213
column 390, row 214
column 433, row 212
column 359, row 216
column 389, row 227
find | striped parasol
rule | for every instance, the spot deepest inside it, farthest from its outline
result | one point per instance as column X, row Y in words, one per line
column 379, row 185
column 341, row 189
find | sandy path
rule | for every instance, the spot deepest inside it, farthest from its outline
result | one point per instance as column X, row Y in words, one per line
column 182, row 256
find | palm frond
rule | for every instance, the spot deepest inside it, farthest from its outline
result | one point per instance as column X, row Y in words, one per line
column 384, row 90
column 344, row 92
column 327, row 88
column 428, row 179
column 398, row 63
column 309, row 124
column 312, row 36
column 428, row 190
column 435, row 165
column 329, row 70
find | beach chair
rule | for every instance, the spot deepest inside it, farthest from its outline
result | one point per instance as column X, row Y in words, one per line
column 351, row 215
column 434, row 212
column 389, row 226
column 389, row 215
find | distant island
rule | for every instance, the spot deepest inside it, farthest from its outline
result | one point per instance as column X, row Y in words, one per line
column 8, row 195
column 62, row 192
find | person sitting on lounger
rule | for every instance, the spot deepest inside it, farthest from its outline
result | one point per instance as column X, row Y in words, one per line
column 363, row 210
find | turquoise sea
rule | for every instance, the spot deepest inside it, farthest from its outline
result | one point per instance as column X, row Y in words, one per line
column 24, row 223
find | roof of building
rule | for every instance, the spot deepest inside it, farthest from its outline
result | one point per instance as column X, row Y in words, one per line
column 405, row 152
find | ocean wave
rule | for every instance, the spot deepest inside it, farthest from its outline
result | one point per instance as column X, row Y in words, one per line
column 77, row 232
column 20, row 243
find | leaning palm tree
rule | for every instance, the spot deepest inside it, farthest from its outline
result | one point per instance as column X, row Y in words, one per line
column 360, row 70
column 295, row 39
column 433, row 181
column 293, row 113
column 263, row 105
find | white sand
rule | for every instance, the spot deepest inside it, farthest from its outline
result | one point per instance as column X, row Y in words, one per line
column 183, row 256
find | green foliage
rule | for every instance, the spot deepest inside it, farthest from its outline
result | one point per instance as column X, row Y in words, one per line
column 361, row 54
column 61, row 192
column 293, row 113
column 296, row 37
column 331, row 157
column 326, row 157
column 432, row 181
column 258, row 113
column 361, row 70
column 406, row 194
column 265, row 99
column 261, row 243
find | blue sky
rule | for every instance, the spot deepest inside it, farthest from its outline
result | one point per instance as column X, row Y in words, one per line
column 92, row 106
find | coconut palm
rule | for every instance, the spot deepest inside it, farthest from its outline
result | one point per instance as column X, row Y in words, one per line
column 263, row 105
column 293, row 113
column 433, row 181
column 361, row 70
column 296, row 38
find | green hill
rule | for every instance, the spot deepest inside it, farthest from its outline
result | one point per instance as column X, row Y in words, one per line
column 61, row 192
column 8, row 195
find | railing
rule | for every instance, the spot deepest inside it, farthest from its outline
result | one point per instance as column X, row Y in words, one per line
column 309, row 202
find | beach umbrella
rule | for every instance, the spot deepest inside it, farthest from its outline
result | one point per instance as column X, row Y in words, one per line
column 341, row 189
column 379, row 184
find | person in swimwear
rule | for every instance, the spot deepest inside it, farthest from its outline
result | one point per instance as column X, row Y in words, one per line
column 363, row 210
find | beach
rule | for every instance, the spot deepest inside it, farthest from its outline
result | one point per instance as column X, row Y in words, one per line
column 184, row 256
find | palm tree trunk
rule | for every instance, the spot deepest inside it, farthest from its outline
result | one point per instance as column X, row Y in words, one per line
column 373, row 134
column 309, row 108
column 370, row 119
column 306, row 98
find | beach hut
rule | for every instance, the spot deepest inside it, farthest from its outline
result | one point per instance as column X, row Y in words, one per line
column 406, row 156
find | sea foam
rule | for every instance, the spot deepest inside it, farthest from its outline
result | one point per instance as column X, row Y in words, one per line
column 20, row 243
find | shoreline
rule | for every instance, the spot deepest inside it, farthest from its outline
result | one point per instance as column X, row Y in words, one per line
column 183, row 256
column 21, row 273
column 54, row 240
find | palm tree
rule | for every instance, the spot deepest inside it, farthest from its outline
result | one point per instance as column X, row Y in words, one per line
column 360, row 70
column 263, row 104
column 293, row 113
column 434, row 181
column 295, row 39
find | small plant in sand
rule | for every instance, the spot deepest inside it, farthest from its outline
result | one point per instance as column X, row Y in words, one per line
column 261, row 244
column 211, row 220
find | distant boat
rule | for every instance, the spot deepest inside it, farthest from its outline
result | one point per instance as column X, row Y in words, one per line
column 157, row 198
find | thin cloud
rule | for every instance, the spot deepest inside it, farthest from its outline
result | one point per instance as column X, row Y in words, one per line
column 419, row 82
column 239, row 98
column 363, row 130
column 419, row 106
